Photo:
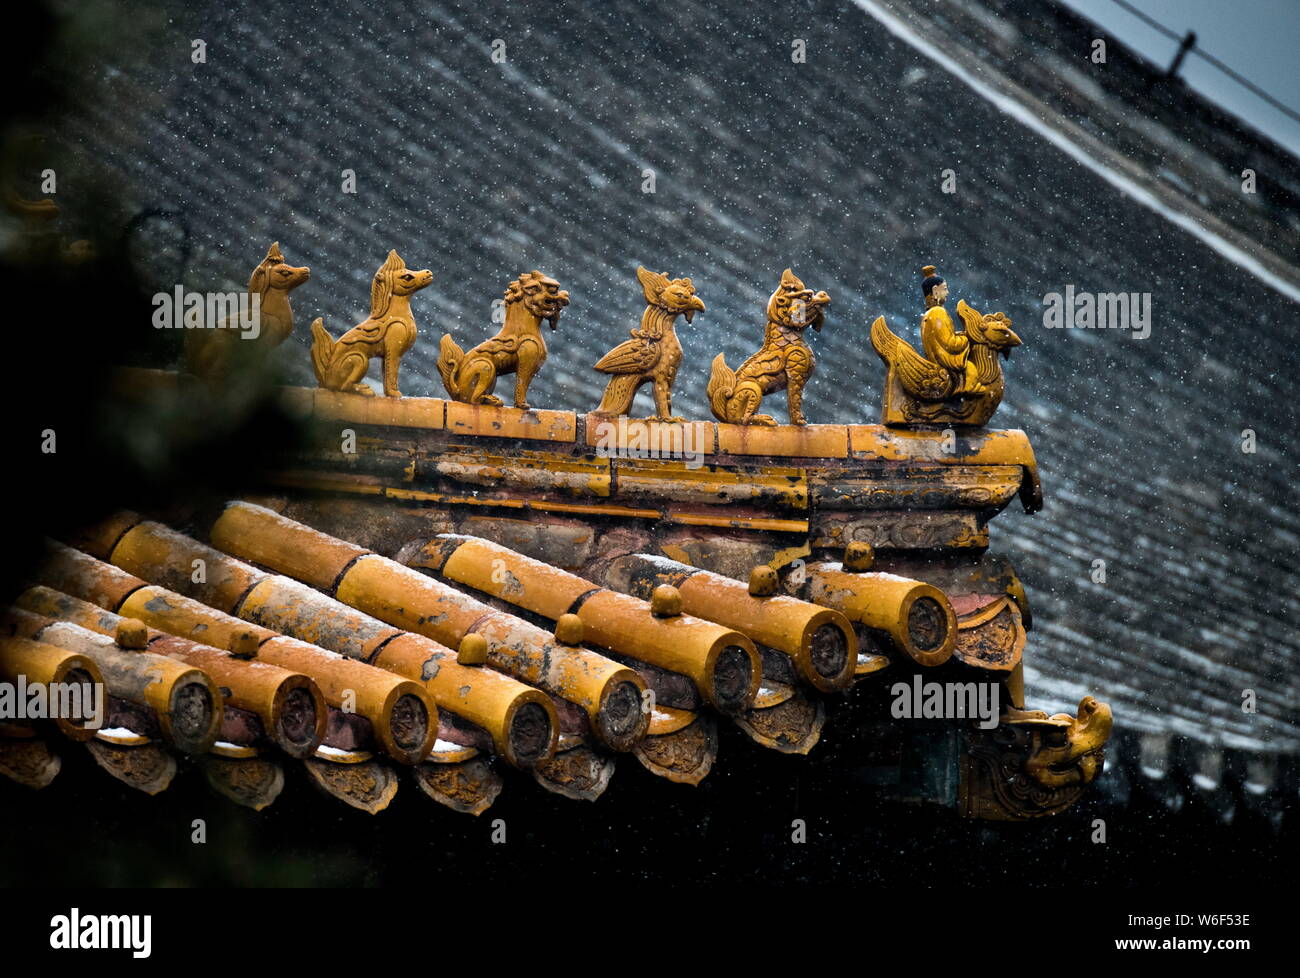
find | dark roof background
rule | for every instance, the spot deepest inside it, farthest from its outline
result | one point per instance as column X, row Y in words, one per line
column 480, row 170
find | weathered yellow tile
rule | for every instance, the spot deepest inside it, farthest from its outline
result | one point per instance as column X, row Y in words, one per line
column 336, row 406
column 401, row 412
column 967, row 446
column 651, row 439
column 527, row 471
column 409, row 412
column 711, row 485
column 963, row 446
column 298, row 402
column 794, row 441
column 738, row 522
column 511, row 422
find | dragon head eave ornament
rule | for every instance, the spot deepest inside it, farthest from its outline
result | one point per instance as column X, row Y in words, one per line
column 1035, row 765
column 957, row 377
column 1077, row 757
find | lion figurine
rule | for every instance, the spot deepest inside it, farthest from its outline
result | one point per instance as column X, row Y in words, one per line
column 518, row 348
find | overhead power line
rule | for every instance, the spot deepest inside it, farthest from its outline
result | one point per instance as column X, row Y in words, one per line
column 1209, row 58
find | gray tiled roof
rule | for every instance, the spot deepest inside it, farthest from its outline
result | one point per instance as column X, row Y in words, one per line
column 480, row 170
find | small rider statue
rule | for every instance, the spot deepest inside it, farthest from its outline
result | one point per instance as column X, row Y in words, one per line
column 940, row 341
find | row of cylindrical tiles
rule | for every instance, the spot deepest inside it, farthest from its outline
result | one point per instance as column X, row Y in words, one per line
column 279, row 638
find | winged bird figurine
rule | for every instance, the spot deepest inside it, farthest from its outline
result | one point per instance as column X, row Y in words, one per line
column 958, row 380
column 653, row 354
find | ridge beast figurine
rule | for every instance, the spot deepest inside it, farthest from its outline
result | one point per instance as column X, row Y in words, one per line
column 785, row 361
column 208, row 352
column 1079, row 755
column 654, row 353
column 389, row 333
column 1033, row 765
column 959, row 379
column 518, row 348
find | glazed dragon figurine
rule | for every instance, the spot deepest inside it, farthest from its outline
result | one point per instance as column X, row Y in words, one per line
column 958, row 380
column 785, row 361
